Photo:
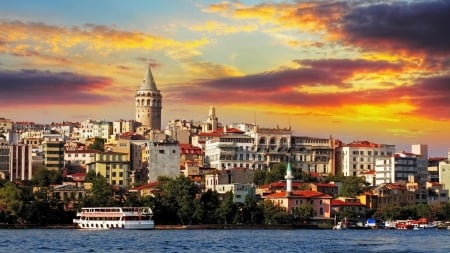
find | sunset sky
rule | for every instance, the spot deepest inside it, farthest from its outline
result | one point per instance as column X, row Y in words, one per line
column 356, row 70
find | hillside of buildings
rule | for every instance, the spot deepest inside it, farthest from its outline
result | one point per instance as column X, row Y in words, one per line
column 235, row 171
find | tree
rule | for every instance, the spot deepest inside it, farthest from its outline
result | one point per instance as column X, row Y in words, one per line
column 352, row 186
column 226, row 212
column 303, row 212
column 101, row 194
column 259, row 177
column 11, row 198
column 253, row 211
column 276, row 173
column 209, row 203
column 274, row 214
column 99, row 144
column 45, row 177
column 179, row 195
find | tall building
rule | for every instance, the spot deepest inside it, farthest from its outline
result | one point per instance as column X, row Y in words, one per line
column 149, row 102
column 359, row 157
column 53, row 151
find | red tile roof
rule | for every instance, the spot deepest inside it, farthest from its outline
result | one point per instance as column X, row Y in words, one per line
column 363, row 144
column 324, row 185
column 339, row 202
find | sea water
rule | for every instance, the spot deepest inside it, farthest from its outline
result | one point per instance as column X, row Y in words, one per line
column 231, row 240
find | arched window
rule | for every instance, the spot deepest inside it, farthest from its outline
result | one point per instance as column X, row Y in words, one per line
column 273, row 141
column 262, row 141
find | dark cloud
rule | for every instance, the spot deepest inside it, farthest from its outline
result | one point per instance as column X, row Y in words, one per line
column 329, row 72
column 281, row 87
column 36, row 87
column 422, row 25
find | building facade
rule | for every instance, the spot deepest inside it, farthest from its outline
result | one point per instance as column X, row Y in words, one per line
column 53, row 151
column 114, row 166
column 360, row 156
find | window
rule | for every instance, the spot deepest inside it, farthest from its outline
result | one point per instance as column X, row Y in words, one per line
column 161, row 151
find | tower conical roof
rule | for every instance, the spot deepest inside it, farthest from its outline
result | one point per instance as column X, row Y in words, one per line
column 149, row 82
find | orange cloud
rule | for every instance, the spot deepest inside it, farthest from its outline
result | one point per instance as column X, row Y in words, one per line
column 22, row 37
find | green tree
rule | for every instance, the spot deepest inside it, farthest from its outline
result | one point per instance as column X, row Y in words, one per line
column 101, row 194
column 259, row 177
column 253, row 211
column 45, row 177
column 98, row 144
column 226, row 212
column 276, row 173
column 352, row 186
column 274, row 214
column 423, row 211
column 11, row 199
column 179, row 194
column 209, row 203
column 303, row 213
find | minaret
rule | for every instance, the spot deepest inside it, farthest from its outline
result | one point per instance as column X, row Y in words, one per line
column 289, row 178
column 149, row 102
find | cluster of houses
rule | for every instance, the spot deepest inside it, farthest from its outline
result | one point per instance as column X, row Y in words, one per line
column 220, row 157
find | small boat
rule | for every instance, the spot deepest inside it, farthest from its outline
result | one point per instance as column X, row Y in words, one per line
column 406, row 224
column 423, row 223
column 341, row 224
column 389, row 224
column 115, row 218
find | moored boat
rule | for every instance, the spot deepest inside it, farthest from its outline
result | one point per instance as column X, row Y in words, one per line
column 115, row 218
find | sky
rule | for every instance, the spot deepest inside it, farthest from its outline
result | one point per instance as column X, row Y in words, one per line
column 355, row 70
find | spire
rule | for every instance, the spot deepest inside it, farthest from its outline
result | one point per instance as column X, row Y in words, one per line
column 289, row 178
column 149, row 82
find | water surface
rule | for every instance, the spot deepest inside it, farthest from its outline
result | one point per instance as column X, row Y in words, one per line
column 232, row 240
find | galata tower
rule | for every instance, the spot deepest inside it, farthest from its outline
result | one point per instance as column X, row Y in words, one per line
column 149, row 102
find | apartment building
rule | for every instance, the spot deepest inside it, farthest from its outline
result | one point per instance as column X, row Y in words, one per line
column 53, row 151
column 114, row 166
column 313, row 155
column 360, row 156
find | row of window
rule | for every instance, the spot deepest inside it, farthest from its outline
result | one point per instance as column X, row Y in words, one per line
column 370, row 152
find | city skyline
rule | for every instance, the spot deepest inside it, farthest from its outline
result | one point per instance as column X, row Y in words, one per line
column 363, row 70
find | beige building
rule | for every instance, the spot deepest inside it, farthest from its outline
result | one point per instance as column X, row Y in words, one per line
column 388, row 195
column 115, row 167
column 444, row 173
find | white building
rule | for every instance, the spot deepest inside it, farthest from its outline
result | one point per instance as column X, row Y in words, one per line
column 240, row 191
column 360, row 156
column 231, row 151
column 79, row 157
column 384, row 170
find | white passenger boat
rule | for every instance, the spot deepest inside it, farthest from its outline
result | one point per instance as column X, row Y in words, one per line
column 115, row 217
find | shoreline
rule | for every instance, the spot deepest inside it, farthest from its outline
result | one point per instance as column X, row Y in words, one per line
column 173, row 227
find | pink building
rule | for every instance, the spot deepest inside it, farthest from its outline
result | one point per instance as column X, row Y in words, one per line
column 320, row 201
column 290, row 199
